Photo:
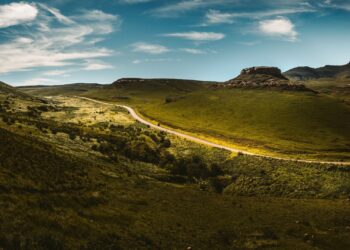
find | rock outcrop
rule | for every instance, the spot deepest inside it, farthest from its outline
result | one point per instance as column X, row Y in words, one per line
column 263, row 77
column 270, row 71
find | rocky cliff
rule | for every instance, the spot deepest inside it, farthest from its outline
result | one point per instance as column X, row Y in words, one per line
column 263, row 77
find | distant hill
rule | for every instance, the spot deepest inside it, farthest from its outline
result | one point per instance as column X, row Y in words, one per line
column 263, row 77
column 66, row 89
column 329, row 71
column 6, row 89
column 161, row 84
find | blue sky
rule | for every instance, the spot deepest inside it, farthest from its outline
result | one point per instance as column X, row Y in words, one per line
column 67, row 41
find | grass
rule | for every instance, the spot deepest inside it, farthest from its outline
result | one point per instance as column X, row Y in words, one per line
column 59, row 193
column 57, row 201
column 282, row 123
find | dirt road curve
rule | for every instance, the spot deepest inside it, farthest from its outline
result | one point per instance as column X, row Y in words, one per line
column 205, row 142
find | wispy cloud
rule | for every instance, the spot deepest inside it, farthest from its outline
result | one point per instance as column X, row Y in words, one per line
column 173, row 9
column 39, row 81
column 193, row 51
column 56, row 13
column 280, row 27
column 154, row 49
column 156, row 60
column 336, row 4
column 56, row 73
column 96, row 65
column 251, row 43
column 54, row 40
column 218, row 17
column 17, row 13
column 197, row 36
column 134, row 1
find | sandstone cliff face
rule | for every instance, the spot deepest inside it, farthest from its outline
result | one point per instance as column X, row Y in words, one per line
column 263, row 77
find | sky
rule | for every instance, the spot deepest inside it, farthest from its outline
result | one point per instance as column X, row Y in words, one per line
column 99, row 41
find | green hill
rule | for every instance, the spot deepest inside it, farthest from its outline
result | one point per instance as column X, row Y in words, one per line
column 330, row 80
column 329, row 71
column 72, row 179
column 298, row 123
column 67, row 89
column 7, row 90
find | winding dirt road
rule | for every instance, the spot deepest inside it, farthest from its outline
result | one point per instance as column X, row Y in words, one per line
column 205, row 142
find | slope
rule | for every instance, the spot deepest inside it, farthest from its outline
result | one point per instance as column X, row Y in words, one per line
column 329, row 71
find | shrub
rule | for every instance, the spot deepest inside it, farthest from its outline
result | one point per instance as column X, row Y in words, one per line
column 215, row 170
column 216, row 185
column 72, row 136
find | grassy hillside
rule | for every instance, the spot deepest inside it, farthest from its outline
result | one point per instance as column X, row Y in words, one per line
column 341, row 72
column 303, row 124
column 7, row 90
column 288, row 122
column 299, row 123
column 78, row 175
column 72, row 89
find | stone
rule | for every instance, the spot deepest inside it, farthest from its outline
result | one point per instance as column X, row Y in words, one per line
column 271, row 71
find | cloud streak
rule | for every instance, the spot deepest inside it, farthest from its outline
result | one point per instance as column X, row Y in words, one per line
column 153, row 49
column 174, row 9
column 197, row 36
column 218, row 17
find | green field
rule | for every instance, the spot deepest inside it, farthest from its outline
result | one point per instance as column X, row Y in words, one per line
column 80, row 175
column 299, row 124
column 288, row 123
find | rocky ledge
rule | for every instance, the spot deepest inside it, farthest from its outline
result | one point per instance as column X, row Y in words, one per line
column 263, row 77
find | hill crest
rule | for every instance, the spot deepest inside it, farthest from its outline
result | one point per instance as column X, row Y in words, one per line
column 329, row 71
column 263, row 77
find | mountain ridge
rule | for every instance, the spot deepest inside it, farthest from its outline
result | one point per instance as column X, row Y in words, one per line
column 328, row 71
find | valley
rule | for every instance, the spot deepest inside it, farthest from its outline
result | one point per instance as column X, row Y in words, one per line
column 151, row 163
column 265, row 120
column 175, row 125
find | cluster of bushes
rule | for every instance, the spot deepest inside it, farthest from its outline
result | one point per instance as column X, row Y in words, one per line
column 134, row 143
column 194, row 167
column 170, row 99
column 9, row 121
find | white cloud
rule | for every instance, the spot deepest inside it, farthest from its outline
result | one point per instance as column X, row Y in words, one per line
column 46, row 43
column 137, row 61
column 156, row 60
column 281, row 27
column 56, row 13
column 98, row 15
column 55, row 73
column 17, row 13
column 193, row 51
column 252, row 43
column 148, row 48
column 174, row 9
column 197, row 36
column 134, row 1
column 218, row 17
column 341, row 5
column 38, row 81
column 96, row 65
